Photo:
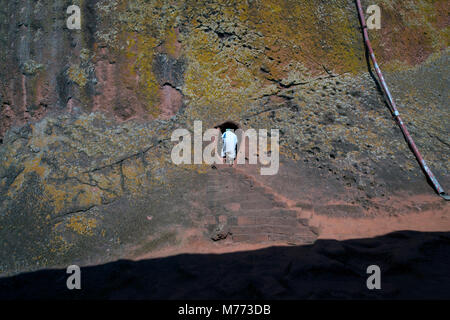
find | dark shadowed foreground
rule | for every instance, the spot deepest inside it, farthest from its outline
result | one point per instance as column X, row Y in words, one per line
column 414, row 265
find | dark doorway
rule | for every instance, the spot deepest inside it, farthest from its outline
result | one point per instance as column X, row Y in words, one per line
column 227, row 125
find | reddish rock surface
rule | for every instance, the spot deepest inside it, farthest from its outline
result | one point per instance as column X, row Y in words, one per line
column 86, row 117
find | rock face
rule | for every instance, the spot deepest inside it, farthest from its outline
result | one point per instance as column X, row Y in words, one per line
column 86, row 115
column 216, row 54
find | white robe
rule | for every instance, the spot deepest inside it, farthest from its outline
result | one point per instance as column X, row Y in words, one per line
column 229, row 144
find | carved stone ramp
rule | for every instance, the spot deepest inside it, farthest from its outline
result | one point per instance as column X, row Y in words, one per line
column 246, row 212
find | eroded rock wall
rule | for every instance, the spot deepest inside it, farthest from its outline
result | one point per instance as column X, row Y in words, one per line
column 86, row 116
column 147, row 59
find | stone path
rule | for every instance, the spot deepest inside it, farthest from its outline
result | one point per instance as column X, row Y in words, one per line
column 247, row 212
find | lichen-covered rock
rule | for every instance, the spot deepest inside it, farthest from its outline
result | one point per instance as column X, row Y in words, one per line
column 220, row 56
column 86, row 115
column 75, row 183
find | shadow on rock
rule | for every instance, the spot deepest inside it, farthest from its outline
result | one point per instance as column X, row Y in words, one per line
column 414, row 265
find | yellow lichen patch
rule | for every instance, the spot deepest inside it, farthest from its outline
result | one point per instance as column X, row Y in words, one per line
column 134, row 176
column 110, row 181
column 59, row 245
column 77, row 75
column 87, row 196
column 141, row 51
column 56, row 197
column 82, row 225
column 171, row 45
column 35, row 166
column 215, row 82
column 311, row 32
column 32, row 165
column 68, row 195
column 199, row 168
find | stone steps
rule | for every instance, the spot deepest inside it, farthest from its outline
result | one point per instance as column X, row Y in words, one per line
column 270, row 220
column 267, row 212
column 225, row 195
column 258, row 217
column 252, row 204
column 266, row 228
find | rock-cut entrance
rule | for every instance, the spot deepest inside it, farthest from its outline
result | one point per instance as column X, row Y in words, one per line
column 241, row 210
